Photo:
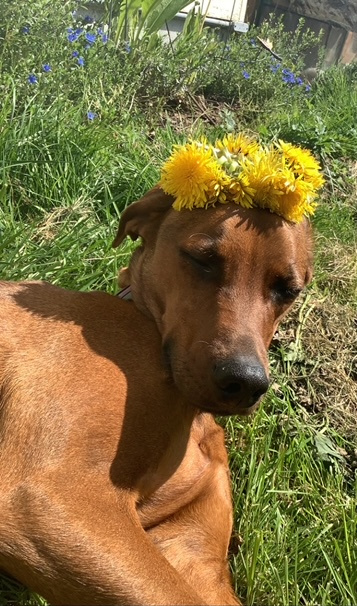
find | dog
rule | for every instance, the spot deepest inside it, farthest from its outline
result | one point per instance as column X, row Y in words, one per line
column 114, row 481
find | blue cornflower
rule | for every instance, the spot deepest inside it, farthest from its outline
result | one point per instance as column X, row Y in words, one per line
column 299, row 81
column 105, row 39
column 25, row 30
column 91, row 115
column 75, row 54
column 88, row 19
column 32, row 79
column 90, row 37
column 80, row 61
column 275, row 68
column 246, row 75
column 307, row 88
column 47, row 67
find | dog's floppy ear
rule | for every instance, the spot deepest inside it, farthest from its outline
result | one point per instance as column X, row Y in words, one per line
column 142, row 214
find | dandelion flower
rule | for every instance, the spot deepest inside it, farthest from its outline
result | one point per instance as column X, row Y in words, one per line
column 237, row 144
column 282, row 178
column 303, row 163
column 193, row 176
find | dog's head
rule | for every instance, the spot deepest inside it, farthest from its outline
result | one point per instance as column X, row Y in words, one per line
column 217, row 281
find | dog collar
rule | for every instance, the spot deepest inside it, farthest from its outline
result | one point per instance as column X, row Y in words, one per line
column 280, row 177
column 125, row 294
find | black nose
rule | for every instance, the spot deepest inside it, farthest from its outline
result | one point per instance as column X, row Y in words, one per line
column 242, row 377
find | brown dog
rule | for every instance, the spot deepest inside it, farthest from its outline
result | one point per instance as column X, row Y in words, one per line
column 114, row 483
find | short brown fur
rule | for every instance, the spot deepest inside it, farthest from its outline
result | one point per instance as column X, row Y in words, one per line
column 114, row 482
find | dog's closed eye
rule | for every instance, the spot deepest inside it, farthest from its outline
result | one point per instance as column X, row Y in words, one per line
column 285, row 291
column 203, row 261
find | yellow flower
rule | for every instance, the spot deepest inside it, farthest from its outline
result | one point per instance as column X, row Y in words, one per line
column 240, row 192
column 237, row 144
column 193, row 176
column 278, row 188
column 282, row 178
column 302, row 162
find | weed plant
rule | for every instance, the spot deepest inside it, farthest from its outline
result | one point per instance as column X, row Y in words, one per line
column 84, row 127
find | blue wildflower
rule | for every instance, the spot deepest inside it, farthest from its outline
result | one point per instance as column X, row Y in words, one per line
column 246, row 75
column 90, row 37
column 299, row 81
column 275, row 68
column 32, row 79
column 307, row 88
column 288, row 76
column 75, row 54
column 91, row 115
column 47, row 67
column 105, row 39
column 73, row 35
column 80, row 61
column 25, row 30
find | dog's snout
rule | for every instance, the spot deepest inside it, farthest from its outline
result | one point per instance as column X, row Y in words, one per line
column 243, row 377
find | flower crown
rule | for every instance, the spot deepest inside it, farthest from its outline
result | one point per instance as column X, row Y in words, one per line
column 280, row 177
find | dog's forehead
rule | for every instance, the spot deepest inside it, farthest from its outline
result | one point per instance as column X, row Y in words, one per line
column 227, row 225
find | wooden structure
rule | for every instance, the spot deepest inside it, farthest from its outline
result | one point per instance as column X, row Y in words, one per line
column 339, row 40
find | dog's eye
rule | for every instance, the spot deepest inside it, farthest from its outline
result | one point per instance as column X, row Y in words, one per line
column 201, row 262
column 284, row 292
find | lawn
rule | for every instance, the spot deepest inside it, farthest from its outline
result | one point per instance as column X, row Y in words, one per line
column 85, row 124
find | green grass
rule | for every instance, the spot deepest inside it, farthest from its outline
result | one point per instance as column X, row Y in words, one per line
column 294, row 511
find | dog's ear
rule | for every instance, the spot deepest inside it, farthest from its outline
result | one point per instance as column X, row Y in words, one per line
column 143, row 214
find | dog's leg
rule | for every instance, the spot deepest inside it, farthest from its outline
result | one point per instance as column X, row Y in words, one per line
column 85, row 545
column 195, row 539
column 195, row 542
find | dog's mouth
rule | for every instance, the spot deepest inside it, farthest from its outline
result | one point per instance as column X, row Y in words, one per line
column 203, row 394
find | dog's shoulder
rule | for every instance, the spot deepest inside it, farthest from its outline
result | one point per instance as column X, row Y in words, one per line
column 39, row 315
